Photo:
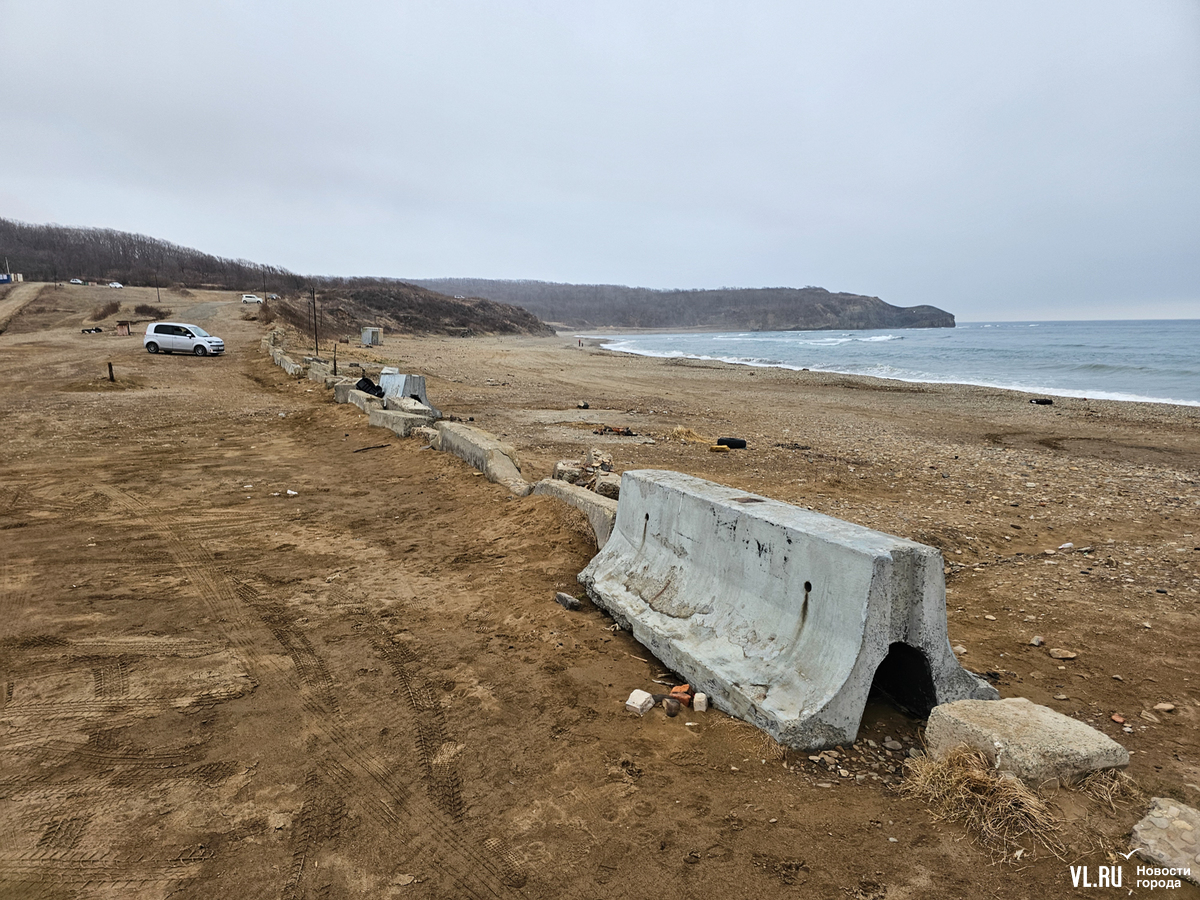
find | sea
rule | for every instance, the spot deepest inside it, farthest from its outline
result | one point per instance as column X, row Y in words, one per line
column 1149, row 361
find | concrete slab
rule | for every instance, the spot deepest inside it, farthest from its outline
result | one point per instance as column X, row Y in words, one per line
column 288, row 365
column 400, row 423
column 412, row 407
column 364, row 401
column 1169, row 837
column 780, row 615
column 341, row 392
column 496, row 460
column 1033, row 742
column 601, row 512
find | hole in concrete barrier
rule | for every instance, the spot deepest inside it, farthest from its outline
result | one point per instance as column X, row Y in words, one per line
column 808, row 587
column 905, row 680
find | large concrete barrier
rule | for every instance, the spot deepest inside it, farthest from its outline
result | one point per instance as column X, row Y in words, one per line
column 783, row 616
column 601, row 512
column 485, row 452
column 412, row 387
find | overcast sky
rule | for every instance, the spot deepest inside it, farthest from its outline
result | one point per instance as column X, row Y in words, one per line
column 1001, row 160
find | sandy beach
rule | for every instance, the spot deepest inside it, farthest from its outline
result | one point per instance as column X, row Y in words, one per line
column 366, row 689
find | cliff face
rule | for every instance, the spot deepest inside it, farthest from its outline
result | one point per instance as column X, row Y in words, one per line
column 750, row 309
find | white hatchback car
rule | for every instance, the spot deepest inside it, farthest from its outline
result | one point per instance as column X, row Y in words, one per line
column 251, row 298
column 171, row 336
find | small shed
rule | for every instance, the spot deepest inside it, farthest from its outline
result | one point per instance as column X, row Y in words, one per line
column 372, row 336
column 123, row 328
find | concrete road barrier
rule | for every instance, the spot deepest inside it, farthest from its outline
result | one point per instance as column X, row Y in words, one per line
column 411, row 387
column 400, row 423
column 485, row 452
column 364, row 401
column 783, row 616
column 601, row 512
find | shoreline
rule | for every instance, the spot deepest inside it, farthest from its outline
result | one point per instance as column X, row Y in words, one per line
column 601, row 343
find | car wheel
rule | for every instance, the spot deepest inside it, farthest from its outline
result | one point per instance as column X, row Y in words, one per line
column 152, row 347
column 200, row 350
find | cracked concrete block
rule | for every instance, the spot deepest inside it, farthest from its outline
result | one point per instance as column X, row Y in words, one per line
column 601, row 512
column 484, row 451
column 782, row 616
column 1033, row 742
column 341, row 391
column 289, row 365
column 412, row 407
column 364, row 401
column 400, row 423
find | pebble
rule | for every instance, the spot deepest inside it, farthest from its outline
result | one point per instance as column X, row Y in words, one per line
column 1037, row 640
column 990, row 618
column 566, row 600
column 1118, row 678
column 893, row 745
column 1059, row 653
column 1061, row 697
column 1164, row 707
column 959, row 649
column 1120, row 720
column 1149, row 716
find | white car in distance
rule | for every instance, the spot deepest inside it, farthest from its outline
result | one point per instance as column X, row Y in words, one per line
column 171, row 336
column 251, row 298
column 115, row 284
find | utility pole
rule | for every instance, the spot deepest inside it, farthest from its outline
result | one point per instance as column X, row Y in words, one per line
column 156, row 293
column 316, row 341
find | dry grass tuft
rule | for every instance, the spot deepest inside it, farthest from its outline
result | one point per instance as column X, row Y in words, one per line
column 687, row 436
column 1110, row 787
column 998, row 808
column 111, row 308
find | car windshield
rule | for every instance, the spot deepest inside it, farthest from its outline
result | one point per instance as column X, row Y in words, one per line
column 199, row 332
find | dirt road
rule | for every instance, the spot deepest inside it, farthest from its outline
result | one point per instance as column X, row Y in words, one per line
column 243, row 654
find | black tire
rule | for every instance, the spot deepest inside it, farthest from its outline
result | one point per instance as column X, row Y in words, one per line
column 200, row 350
column 732, row 443
column 152, row 347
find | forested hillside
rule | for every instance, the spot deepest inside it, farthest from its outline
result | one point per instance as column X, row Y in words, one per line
column 752, row 309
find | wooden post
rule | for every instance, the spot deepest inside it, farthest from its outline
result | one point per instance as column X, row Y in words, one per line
column 110, row 373
column 335, row 359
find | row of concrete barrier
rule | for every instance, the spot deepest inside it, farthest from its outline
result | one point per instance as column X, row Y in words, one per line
column 784, row 617
column 405, row 411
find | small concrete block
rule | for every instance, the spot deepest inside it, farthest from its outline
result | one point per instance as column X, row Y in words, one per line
column 341, row 392
column 1033, row 742
column 639, row 702
column 1167, row 837
column 700, row 702
column 608, row 485
column 566, row 470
